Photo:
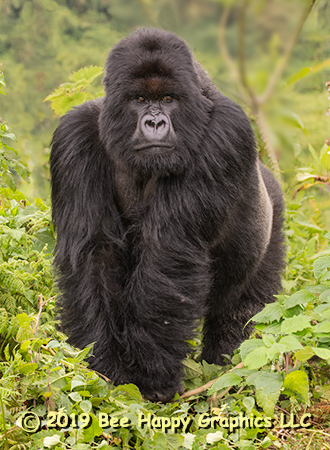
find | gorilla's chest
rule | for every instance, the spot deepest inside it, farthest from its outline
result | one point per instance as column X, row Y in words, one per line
column 132, row 193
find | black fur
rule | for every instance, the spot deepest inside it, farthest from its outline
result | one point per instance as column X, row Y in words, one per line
column 150, row 242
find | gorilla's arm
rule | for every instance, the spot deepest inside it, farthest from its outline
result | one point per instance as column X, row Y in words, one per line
column 88, row 234
column 81, row 182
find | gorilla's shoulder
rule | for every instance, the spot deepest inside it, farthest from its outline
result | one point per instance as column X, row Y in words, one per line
column 78, row 128
column 82, row 115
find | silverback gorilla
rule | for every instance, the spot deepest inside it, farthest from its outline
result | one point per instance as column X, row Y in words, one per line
column 163, row 214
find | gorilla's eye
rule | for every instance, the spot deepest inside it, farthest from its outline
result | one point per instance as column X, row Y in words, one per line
column 141, row 99
column 167, row 98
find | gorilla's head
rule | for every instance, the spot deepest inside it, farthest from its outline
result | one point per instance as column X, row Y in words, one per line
column 153, row 87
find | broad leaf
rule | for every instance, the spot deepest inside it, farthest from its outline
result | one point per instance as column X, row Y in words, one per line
column 296, row 384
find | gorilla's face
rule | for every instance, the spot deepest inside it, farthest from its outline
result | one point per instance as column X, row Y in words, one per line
column 154, row 115
column 153, row 147
column 154, row 131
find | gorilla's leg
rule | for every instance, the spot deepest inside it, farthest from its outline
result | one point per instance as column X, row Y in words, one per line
column 230, row 308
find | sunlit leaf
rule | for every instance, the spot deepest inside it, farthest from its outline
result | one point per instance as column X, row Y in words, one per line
column 296, row 384
column 298, row 76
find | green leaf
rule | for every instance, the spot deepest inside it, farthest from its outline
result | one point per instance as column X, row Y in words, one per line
column 243, row 372
column 268, row 340
column 77, row 381
column 271, row 312
column 16, row 234
column 75, row 396
column 226, row 380
column 315, row 157
column 3, row 319
column 301, row 177
column 294, row 324
column 273, row 328
column 275, row 350
column 53, row 344
column 93, row 430
column 64, row 103
column 256, row 359
column 174, row 440
column 28, row 368
column 23, row 171
column 323, row 353
column 293, row 119
column 248, row 346
column 50, row 441
column 86, row 73
column 9, row 180
column 9, row 136
column 192, row 368
column 308, row 225
column 211, row 438
column 159, row 442
column 299, row 298
column 291, row 343
column 86, row 406
column 268, row 382
column 129, row 389
column 24, row 333
column 325, row 157
column 318, row 289
column 321, row 266
column 10, row 149
column 298, row 76
column 23, row 319
column 305, row 354
column 188, row 440
column 296, row 384
column 266, row 442
column 325, row 296
column 323, row 327
column 249, row 403
column 267, row 401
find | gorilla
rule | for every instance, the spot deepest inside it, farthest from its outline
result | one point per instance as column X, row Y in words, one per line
column 164, row 215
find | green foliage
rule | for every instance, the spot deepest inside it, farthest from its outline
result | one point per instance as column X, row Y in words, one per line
column 73, row 407
column 299, row 75
column 319, row 170
column 8, row 164
column 2, row 84
column 72, row 94
column 26, row 240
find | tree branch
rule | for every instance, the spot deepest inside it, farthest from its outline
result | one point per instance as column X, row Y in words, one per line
column 208, row 385
column 265, row 136
column 226, row 55
column 241, row 53
column 282, row 64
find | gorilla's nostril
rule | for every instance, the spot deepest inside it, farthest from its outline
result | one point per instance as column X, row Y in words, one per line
column 160, row 124
column 150, row 123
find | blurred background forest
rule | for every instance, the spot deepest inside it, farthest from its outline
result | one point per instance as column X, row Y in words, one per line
column 270, row 56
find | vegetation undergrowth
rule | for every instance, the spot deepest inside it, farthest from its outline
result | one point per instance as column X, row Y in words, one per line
column 273, row 393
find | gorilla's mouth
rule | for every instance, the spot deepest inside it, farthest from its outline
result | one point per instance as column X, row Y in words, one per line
column 154, row 146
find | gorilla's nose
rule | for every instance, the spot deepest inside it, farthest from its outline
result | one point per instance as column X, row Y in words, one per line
column 155, row 126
